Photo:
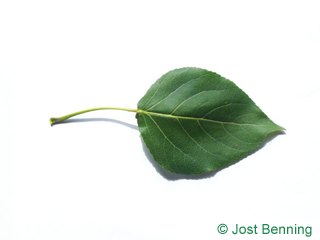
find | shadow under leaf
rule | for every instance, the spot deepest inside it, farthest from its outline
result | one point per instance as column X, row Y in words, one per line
column 110, row 120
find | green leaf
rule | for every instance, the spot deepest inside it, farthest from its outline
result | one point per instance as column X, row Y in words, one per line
column 194, row 121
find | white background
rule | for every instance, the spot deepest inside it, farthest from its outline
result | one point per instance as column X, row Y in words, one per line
column 94, row 178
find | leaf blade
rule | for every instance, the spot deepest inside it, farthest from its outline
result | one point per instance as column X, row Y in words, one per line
column 195, row 121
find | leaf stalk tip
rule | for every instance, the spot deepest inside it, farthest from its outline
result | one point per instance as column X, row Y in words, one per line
column 54, row 121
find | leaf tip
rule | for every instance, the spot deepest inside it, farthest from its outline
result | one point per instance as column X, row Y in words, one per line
column 280, row 128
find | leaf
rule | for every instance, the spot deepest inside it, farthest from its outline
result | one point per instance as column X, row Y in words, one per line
column 194, row 121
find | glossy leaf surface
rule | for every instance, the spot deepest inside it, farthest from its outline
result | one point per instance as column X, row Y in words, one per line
column 194, row 121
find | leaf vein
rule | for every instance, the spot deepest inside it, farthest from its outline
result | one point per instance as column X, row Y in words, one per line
column 193, row 79
column 214, row 154
column 215, row 138
column 235, row 136
column 151, row 137
column 170, row 141
column 194, row 96
column 203, row 119
column 159, row 84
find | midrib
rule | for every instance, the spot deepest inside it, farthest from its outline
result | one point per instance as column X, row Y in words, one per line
column 194, row 118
